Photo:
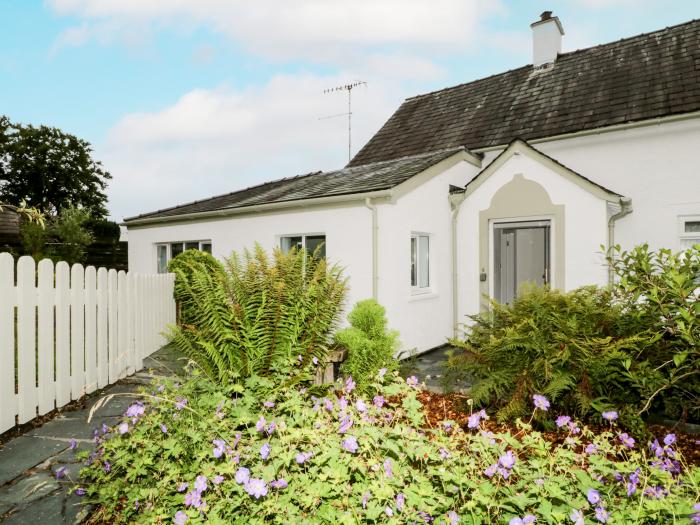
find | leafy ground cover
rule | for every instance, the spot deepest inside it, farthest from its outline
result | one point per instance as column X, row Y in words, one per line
column 198, row 452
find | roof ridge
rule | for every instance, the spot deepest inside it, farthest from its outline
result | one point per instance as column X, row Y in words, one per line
column 405, row 157
column 567, row 53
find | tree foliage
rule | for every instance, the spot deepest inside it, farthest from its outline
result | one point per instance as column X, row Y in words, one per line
column 49, row 169
column 260, row 316
column 61, row 238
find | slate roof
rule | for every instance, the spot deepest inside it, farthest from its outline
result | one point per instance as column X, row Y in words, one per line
column 366, row 178
column 647, row 76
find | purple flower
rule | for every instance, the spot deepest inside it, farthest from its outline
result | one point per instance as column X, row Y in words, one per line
column 182, row 487
column 200, row 483
column 107, row 466
column 260, row 425
column 349, row 385
column 265, row 451
column 610, row 415
column 593, row 496
column 135, row 410
column 453, row 517
column 314, row 360
column 507, row 460
column 378, row 401
column 576, row 517
column 388, row 511
column 218, row 479
column 540, row 402
column 193, row 499
column 60, row 472
column 279, row 484
column 365, row 498
column 670, row 439
column 80, row 491
column 381, row 373
column 474, row 420
column 163, row 428
column 563, row 421
column 491, row 471
column 242, row 475
column 123, row 428
column 256, row 488
column 105, row 428
column 303, row 457
column 181, row 518
column 350, row 444
column 444, row 453
column 73, row 444
column 412, row 381
column 219, row 448
column 345, row 425
column 631, row 488
column 525, row 520
column 387, row 468
column 626, row 440
column 591, row 449
column 360, row 405
column 181, row 402
column 400, row 501
column 268, row 404
column 601, row 514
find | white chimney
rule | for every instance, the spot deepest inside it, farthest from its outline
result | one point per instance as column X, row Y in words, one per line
column 546, row 39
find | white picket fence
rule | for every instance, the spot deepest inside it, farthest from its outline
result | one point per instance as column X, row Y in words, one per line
column 68, row 331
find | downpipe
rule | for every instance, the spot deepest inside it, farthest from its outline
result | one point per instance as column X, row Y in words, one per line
column 625, row 209
column 375, row 247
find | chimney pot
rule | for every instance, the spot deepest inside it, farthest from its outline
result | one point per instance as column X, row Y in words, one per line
column 546, row 39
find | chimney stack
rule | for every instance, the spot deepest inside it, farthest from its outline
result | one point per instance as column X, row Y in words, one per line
column 546, row 39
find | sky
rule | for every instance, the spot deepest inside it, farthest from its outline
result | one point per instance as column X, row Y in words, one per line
column 185, row 99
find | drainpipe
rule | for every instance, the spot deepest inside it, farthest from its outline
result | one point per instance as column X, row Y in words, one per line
column 456, row 200
column 625, row 209
column 375, row 248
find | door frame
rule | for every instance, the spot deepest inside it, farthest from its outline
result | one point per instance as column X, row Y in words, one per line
column 519, row 220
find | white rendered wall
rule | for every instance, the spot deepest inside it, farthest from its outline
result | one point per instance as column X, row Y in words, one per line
column 585, row 229
column 424, row 321
column 347, row 229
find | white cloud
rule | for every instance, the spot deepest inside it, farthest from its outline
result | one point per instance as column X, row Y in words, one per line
column 214, row 141
column 283, row 29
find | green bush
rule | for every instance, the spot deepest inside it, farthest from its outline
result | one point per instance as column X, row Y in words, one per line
column 184, row 266
column 260, row 316
column 634, row 346
column 201, row 453
column 61, row 238
column 571, row 347
column 370, row 345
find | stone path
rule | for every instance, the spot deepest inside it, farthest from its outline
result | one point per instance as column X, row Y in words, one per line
column 30, row 493
column 430, row 369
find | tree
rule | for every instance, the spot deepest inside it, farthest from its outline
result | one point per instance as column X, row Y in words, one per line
column 50, row 170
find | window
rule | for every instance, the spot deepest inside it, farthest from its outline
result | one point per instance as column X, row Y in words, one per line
column 165, row 252
column 689, row 231
column 420, row 262
column 309, row 242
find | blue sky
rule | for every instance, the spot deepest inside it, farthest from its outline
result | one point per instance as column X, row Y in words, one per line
column 186, row 99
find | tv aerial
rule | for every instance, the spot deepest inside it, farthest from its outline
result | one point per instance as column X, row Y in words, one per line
column 348, row 88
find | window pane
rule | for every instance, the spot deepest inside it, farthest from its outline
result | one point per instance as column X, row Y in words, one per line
column 414, row 261
column 175, row 249
column 192, row 245
column 162, row 255
column 313, row 242
column 206, row 247
column 423, row 261
column 692, row 226
column 287, row 243
column 686, row 244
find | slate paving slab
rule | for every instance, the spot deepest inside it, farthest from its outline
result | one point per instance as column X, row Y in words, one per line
column 29, row 490
column 430, row 369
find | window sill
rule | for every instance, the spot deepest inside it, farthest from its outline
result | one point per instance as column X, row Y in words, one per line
column 422, row 295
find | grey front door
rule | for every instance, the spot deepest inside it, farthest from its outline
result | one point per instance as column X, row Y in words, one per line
column 521, row 254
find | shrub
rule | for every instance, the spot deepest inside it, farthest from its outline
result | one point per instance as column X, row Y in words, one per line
column 569, row 346
column 184, row 266
column 199, row 453
column 260, row 316
column 370, row 345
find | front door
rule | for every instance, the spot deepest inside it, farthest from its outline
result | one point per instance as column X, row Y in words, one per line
column 521, row 254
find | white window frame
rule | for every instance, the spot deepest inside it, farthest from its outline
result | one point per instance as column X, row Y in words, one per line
column 417, row 289
column 693, row 237
column 303, row 239
column 169, row 253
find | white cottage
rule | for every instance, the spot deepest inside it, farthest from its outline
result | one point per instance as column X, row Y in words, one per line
column 475, row 189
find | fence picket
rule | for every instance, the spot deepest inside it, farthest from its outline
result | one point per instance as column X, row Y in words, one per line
column 76, row 330
column 8, row 300
column 90, row 329
column 26, row 339
column 45, row 354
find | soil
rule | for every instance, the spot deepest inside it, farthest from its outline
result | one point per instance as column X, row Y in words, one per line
column 439, row 407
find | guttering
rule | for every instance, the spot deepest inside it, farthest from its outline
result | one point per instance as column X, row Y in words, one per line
column 625, row 209
column 456, row 200
column 375, row 247
column 600, row 131
column 259, row 208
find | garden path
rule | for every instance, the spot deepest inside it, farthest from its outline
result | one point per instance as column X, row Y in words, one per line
column 430, row 369
column 30, row 492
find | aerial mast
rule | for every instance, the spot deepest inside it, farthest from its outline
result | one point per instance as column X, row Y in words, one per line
column 348, row 88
